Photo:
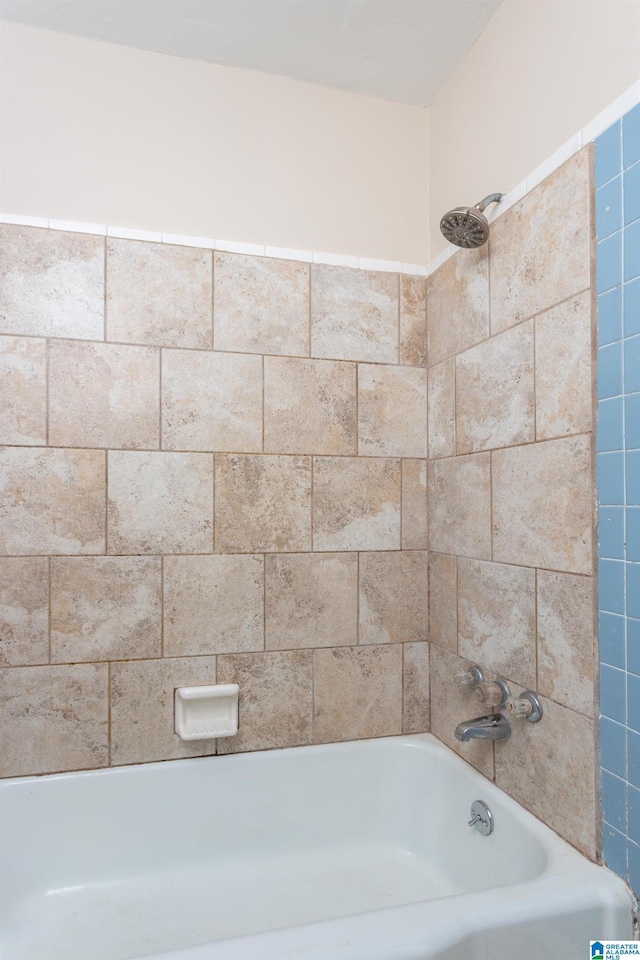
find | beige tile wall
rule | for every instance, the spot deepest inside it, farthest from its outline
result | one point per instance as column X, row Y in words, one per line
column 511, row 493
column 213, row 468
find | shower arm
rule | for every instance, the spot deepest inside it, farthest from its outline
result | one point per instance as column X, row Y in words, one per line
column 492, row 198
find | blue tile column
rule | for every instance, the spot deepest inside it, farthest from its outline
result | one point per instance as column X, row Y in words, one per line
column 618, row 476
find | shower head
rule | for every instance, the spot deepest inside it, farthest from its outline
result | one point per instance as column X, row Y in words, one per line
column 468, row 226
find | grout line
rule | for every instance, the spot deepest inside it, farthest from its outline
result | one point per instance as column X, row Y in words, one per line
column 106, row 503
column 213, row 300
column 109, row 683
column 160, row 366
column 358, row 598
column 49, row 603
column 162, row 607
column 264, row 601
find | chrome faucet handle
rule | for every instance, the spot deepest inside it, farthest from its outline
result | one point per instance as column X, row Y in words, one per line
column 472, row 677
column 527, row 706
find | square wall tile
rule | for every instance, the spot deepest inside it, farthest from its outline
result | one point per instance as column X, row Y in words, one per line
column 105, row 608
column 356, row 503
column 610, row 316
column 611, row 575
column 532, row 487
column 613, row 695
column 614, row 850
column 23, row 391
column 609, row 208
column 632, row 363
column 211, row 401
column 53, row 719
column 631, row 422
column 631, row 310
column 633, row 698
column 610, row 476
column 394, row 597
column 261, row 305
column 610, row 371
column 612, row 640
column 633, row 748
column 24, row 611
column 160, row 502
column 460, row 506
column 158, row 294
column 610, row 434
column 563, row 369
column 632, row 251
column 358, row 693
column 613, row 747
column 631, row 136
column 632, row 194
column 416, row 713
column 103, row 395
column 310, row 406
column 311, row 600
column 51, row 283
column 632, row 459
column 633, row 644
column 263, row 504
column 614, row 801
column 51, row 501
column 609, row 154
column 442, row 410
column 458, row 304
column 611, row 533
column 413, row 321
column 443, row 600
column 213, row 605
column 276, row 699
column 632, row 533
column 609, row 263
column 415, row 525
column 392, row 411
column 633, row 589
column 354, row 314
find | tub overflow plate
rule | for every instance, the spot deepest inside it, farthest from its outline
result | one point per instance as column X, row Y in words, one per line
column 481, row 818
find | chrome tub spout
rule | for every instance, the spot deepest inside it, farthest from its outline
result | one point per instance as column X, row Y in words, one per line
column 492, row 727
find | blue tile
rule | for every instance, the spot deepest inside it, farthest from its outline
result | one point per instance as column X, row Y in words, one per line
column 632, row 421
column 633, row 590
column 633, row 855
column 610, row 418
column 631, row 298
column 612, row 645
column 609, row 154
column 610, row 476
column 609, row 208
column 611, row 584
column 613, row 694
column 633, row 816
column 609, row 263
column 614, row 848
column 614, row 801
column 633, row 645
column 631, row 363
column 633, row 742
column 630, row 138
column 610, row 371
column 631, row 254
column 611, row 533
column 631, row 199
column 632, row 466
column 633, row 533
column 613, row 747
column 633, row 702
column 610, row 314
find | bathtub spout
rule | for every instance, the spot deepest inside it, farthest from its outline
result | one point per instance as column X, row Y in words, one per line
column 492, row 727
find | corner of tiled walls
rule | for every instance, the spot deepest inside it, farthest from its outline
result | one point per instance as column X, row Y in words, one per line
column 618, row 469
column 511, row 496
column 214, row 469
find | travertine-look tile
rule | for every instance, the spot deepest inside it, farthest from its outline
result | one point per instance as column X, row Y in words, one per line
column 105, row 608
column 142, row 708
column 261, row 305
column 354, row 314
column 23, row 391
column 51, row 501
column 263, row 504
column 451, row 703
column 416, row 714
column 458, row 299
column 460, row 506
column 563, row 369
column 443, row 600
column 394, row 596
column 51, row 283
column 158, row 294
column 565, row 640
column 552, row 773
column 494, row 392
column 356, row 504
column 540, row 248
column 310, row 406
column 211, row 401
column 358, row 693
column 213, row 605
column 497, row 618
column 160, row 502
column 276, row 699
column 392, row 411
column 413, row 321
column 103, row 395
column 534, row 486
column 24, row 611
column 53, row 719
column 442, row 409
column 415, row 525
column 311, row 600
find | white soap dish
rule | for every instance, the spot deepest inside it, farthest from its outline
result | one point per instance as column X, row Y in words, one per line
column 202, row 713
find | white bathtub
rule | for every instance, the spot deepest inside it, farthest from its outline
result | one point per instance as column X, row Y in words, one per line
column 356, row 850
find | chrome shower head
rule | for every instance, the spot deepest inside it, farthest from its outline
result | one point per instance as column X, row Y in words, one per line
column 468, row 226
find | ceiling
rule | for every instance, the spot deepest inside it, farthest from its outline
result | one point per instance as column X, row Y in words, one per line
column 395, row 49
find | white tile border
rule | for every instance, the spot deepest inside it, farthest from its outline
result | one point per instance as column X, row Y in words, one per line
column 625, row 102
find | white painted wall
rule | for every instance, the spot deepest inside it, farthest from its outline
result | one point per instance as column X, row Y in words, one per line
column 538, row 73
column 107, row 134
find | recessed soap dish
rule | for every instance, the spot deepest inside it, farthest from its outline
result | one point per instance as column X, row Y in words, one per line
column 203, row 713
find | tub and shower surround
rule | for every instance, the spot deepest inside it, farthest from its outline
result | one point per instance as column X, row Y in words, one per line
column 213, row 470
column 511, row 493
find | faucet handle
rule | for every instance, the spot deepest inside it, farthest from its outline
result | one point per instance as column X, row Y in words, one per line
column 492, row 694
column 472, row 677
column 527, row 706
